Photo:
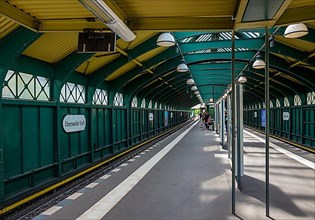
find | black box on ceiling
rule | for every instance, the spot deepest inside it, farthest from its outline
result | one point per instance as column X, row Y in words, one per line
column 96, row 42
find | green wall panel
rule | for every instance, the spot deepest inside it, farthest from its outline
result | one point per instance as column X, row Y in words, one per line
column 101, row 127
column 44, row 175
column 46, row 135
column 64, row 137
column 16, row 185
column 12, row 141
column 94, row 128
column 108, row 126
column 30, row 140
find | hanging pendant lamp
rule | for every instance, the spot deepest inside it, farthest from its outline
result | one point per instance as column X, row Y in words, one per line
column 194, row 88
column 190, row 81
column 242, row 79
column 295, row 31
column 182, row 67
column 259, row 63
column 165, row 40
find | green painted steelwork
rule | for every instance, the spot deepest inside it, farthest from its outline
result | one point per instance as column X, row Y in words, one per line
column 250, row 44
column 14, row 44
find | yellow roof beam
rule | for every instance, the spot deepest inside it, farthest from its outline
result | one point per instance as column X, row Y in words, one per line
column 240, row 12
column 70, row 25
column 143, row 24
column 257, row 24
column 295, row 15
column 18, row 16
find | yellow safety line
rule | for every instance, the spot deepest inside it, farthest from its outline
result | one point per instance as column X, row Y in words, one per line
column 27, row 199
column 286, row 141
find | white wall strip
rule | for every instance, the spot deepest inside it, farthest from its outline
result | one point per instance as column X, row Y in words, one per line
column 103, row 206
column 302, row 160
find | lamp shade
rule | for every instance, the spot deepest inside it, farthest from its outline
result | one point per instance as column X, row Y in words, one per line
column 194, row 88
column 259, row 64
column 242, row 79
column 165, row 40
column 211, row 100
column 295, row 31
column 182, row 68
column 190, row 81
column 196, row 92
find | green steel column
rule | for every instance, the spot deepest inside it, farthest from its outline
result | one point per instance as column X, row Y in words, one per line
column 89, row 100
column 302, row 118
column 267, row 103
column 128, row 124
column 222, row 124
column 55, row 91
column 238, row 145
column 2, row 75
column 216, row 117
column 233, row 121
column 229, row 135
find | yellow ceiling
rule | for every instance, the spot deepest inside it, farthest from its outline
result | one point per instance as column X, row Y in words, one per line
column 6, row 26
column 177, row 8
column 96, row 62
column 48, row 9
column 61, row 20
column 141, row 36
column 121, row 71
column 150, row 54
column 52, row 47
column 298, row 44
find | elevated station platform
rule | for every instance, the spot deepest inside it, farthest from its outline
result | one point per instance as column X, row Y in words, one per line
column 188, row 176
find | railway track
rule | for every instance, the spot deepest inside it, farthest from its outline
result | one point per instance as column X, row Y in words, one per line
column 35, row 207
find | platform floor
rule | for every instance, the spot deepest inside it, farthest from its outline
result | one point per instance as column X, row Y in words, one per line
column 191, row 179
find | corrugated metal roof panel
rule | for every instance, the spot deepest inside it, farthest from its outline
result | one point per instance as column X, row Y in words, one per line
column 177, row 8
column 121, row 71
column 52, row 47
column 95, row 62
column 150, row 54
column 298, row 44
column 141, row 36
column 6, row 26
column 47, row 9
column 301, row 3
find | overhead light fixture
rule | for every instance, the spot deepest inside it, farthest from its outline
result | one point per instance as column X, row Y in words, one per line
column 190, row 81
column 182, row 67
column 211, row 100
column 196, row 92
column 194, row 88
column 242, row 79
column 165, row 40
column 259, row 63
column 295, row 31
column 109, row 18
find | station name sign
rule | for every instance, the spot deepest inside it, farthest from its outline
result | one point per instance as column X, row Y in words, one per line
column 73, row 123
